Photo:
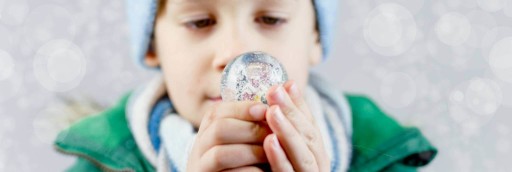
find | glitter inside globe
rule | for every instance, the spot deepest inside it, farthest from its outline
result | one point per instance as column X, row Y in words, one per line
column 250, row 75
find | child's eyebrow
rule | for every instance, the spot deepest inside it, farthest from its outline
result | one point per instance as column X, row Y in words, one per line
column 180, row 6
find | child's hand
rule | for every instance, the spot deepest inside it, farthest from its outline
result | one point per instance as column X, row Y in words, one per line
column 230, row 137
column 298, row 145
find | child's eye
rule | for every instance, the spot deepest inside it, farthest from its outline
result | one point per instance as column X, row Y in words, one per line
column 271, row 21
column 200, row 24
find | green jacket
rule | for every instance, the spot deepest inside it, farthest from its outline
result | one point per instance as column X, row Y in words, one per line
column 104, row 142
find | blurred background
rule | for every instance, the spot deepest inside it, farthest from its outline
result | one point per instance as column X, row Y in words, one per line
column 442, row 65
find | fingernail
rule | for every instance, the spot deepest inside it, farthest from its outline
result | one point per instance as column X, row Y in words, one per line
column 294, row 90
column 280, row 93
column 279, row 114
column 276, row 142
column 257, row 111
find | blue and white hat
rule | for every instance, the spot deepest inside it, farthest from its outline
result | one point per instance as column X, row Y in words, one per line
column 141, row 16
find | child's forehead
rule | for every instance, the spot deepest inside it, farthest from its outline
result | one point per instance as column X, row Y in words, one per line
column 229, row 1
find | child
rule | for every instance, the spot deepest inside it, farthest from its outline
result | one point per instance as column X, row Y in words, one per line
column 177, row 122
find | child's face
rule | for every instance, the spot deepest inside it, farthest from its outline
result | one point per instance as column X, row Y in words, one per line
column 195, row 39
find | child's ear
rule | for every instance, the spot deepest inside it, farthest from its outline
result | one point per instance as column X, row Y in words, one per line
column 316, row 52
column 151, row 59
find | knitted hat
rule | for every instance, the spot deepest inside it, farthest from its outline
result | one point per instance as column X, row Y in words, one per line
column 141, row 16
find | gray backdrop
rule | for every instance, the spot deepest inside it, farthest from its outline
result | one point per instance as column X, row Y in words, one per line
column 442, row 65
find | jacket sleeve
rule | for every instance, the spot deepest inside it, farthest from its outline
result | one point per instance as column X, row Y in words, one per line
column 381, row 144
column 83, row 165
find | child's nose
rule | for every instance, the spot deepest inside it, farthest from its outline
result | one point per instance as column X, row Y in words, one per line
column 230, row 47
column 223, row 58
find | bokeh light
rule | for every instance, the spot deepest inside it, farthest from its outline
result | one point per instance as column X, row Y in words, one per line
column 390, row 29
column 13, row 12
column 500, row 59
column 492, row 37
column 474, row 103
column 453, row 29
column 483, row 96
column 59, row 65
column 491, row 5
column 414, row 6
column 45, row 23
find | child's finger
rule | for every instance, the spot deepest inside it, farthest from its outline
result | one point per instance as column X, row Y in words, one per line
column 277, row 95
column 297, row 151
column 293, row 91
column 303, row 124
column 224, row 157
column 229, row 131
column 276, row 155
column 247, row 111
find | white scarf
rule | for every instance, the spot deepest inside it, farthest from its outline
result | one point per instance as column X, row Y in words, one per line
column 329, row 107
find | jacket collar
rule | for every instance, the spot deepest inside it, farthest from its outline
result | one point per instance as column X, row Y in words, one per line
column 138, row 113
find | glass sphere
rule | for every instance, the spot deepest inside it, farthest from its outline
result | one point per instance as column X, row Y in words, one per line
column 250, row 75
